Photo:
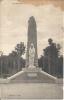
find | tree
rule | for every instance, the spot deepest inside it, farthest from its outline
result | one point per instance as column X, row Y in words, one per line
column 51, row 56
column 20, row 50
column 60, row 66
column 12, row 59
column 12, row 63
column 1, row 54
column 40, row 62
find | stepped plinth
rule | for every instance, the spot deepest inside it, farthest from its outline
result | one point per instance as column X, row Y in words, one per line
column 28, row 75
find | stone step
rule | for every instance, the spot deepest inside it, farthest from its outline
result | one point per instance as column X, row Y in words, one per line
column 36, row 76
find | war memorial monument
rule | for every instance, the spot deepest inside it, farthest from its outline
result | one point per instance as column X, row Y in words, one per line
column 32, row 73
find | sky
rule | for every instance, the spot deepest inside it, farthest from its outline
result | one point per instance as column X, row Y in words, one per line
column 14, row 24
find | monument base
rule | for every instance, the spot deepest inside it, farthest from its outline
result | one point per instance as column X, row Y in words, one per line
column 32, row 75
column 32, row 67
column 31, row 71
column 28, row 75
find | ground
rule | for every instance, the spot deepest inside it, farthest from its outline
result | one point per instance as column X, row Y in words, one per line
column 14, row 91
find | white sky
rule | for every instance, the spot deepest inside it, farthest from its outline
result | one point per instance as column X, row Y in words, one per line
column 14, row 23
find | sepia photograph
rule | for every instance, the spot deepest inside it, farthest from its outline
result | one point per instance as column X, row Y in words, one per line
column 31, row 49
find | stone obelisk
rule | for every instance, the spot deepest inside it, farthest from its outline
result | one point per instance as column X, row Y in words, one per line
column 32, row 39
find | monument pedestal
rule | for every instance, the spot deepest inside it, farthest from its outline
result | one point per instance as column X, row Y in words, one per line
column 31, row 71
column 28, row 75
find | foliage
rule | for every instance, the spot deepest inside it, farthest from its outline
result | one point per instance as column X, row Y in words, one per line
column 9, row 63
column 20, row 48
column 52, row 62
